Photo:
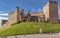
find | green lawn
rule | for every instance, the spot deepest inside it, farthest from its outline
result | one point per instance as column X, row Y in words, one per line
column 30, row 28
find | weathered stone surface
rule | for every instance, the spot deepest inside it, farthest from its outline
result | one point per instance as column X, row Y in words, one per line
column 50, row 10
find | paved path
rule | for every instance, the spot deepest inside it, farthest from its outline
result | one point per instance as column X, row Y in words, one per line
column 57, row 35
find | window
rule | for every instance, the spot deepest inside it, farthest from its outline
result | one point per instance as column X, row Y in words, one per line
column 51, row 1
column 54, row 2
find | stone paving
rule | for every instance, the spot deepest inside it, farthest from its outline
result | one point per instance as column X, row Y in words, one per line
column 34, row 36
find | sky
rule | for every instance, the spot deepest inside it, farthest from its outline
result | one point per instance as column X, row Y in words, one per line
column 7, row 6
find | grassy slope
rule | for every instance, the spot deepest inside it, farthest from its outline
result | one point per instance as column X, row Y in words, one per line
column 30, row 28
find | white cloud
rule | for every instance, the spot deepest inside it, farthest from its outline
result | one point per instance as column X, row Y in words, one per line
column 4, row 11
column 3, row 18
column 4, row 14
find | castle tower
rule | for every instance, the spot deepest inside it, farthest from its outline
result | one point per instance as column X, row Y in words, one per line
column 12, row 18
column 21, row 15
column 50, row 10
column 28, row 15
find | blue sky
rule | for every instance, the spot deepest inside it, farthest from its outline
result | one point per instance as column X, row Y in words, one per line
column 7, row 6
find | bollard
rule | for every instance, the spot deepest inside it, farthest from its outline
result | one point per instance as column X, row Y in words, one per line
column 41, row 30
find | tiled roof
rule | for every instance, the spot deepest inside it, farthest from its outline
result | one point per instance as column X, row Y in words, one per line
column 37, row 14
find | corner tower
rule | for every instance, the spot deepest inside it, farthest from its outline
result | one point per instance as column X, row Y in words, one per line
column 16, row 16
column 50, row 10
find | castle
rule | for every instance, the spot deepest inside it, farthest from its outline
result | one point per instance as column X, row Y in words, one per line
column 49, row 14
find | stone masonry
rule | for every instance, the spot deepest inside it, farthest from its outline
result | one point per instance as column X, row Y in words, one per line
column 49, row 14
column 50, row 10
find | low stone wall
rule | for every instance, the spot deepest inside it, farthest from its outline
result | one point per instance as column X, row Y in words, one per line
column 34, row 36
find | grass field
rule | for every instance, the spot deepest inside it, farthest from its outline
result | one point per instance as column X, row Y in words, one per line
column 30, row 28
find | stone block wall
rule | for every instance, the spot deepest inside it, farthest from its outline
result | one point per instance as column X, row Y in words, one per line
column 53, row 11
column 46, row 11
column 5, row 25
column 12, row 17
column 4, row 21
column 50, row 10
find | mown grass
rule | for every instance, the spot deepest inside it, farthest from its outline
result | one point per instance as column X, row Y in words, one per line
column 30, row 28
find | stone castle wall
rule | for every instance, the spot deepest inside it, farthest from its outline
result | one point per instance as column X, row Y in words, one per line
column 46, row 11
column 5, row 25
column 4, row 21
column 12, row 17
column 53, row 11
column 49, row 14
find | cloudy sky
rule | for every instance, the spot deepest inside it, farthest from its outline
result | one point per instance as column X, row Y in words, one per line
column 7, row 6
